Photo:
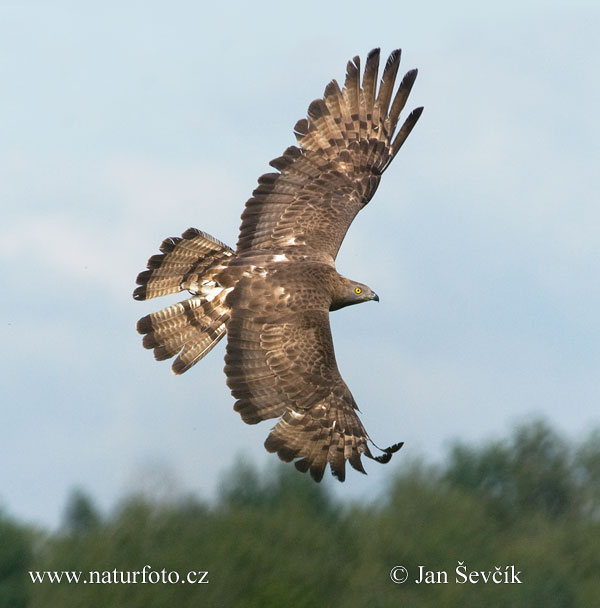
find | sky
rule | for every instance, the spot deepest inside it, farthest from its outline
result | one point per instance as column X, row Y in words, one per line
column 125, row 123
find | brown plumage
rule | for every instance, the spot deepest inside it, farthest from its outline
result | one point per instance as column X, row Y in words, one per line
column 273, row 295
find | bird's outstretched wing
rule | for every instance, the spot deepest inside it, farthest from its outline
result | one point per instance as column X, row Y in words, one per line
column 346, row 143
column 280, row 362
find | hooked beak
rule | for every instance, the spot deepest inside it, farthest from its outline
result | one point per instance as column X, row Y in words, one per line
column 375, row 297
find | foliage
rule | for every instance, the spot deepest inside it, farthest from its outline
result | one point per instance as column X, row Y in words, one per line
column 531, row 501
column 15, row 557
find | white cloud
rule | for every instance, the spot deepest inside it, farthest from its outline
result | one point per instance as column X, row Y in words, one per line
column 145, row 202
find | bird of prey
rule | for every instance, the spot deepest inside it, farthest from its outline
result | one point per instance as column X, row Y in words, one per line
column 272, row 294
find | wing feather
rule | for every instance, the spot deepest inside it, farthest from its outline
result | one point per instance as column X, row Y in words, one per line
column 400, row 100
column 282, row 365
column 351, row 95
column 344, row 145
column 386, row 87
column 369, row 85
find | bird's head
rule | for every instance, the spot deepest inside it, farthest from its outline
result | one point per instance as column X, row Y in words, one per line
column 354, row 293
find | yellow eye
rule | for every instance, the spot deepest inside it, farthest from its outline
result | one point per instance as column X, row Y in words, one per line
column 357, row 290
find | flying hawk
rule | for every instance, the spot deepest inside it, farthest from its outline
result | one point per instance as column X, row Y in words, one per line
column 272, row 295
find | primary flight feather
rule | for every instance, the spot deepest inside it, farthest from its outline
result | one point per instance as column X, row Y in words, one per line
column 272, row 295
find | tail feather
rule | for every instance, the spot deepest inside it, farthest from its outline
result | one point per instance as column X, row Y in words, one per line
column 160, row 327
column 182, row 265
column 191, row 328
column 196, row 349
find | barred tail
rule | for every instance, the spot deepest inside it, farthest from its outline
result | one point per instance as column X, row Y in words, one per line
column 184, row 264
column 191, row 328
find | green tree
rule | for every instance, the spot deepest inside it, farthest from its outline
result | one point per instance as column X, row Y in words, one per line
column 275, row 538
column 81, row 515
column 15, row 561
column 530, row 472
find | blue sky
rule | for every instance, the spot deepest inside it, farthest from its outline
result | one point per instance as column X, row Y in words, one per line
column 124, row 123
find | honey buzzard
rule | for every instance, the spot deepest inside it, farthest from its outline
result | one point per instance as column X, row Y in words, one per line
column 272, row 295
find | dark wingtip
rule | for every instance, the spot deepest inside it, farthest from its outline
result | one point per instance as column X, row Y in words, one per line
column 274, row 444
column 317, row 109
column 395, row 55
column 302, row 465
column 387, row 452
column 301, row 127
column 356, row 463
column 316, row 472
column 339, row 474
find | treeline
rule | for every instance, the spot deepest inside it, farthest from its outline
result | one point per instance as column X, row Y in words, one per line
column 525, row 508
